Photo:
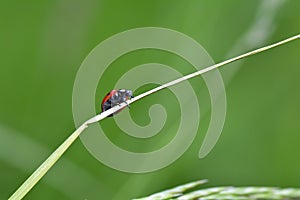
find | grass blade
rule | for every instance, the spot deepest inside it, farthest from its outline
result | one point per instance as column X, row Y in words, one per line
column 225, row 193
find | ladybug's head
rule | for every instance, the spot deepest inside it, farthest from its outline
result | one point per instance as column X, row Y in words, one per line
column 121, row 95
column 125, row 93
column 128, row 93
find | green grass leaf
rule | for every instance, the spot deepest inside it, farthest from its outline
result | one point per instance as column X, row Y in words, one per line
column 228, row 193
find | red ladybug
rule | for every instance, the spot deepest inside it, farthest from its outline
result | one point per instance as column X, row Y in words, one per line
column 115, row 97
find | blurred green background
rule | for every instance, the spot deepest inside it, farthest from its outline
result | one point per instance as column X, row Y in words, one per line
column 43, row 43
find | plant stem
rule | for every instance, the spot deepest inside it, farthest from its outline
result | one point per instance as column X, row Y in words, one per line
column 51, row 160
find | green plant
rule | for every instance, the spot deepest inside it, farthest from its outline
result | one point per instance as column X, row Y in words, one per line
column 184, row 192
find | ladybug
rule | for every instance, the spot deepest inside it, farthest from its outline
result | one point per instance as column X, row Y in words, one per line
column 115, row 97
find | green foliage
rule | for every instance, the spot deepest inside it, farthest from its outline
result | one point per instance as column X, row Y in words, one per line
column 221, row 193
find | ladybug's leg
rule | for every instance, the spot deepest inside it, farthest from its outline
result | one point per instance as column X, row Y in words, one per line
column 127, row 104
